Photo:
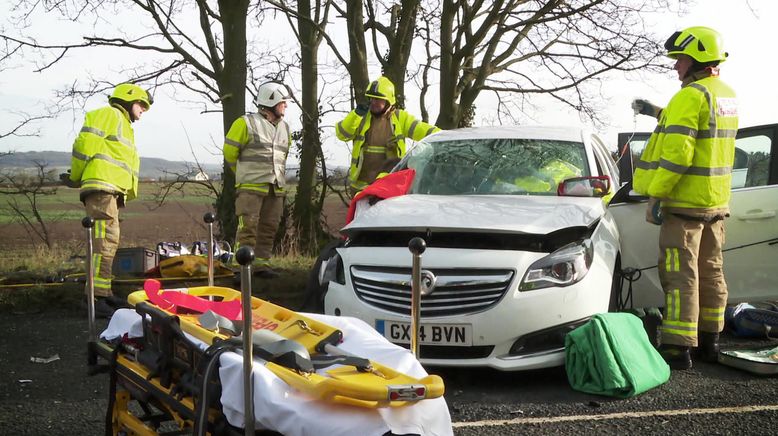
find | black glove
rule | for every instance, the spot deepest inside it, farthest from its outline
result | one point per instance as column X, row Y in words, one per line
column 65, row 179
column 361, row 109
column 645, row 107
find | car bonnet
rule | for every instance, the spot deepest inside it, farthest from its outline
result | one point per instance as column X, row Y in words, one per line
column 509, row 213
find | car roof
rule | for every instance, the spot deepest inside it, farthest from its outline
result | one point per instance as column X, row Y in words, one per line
column 559, row 133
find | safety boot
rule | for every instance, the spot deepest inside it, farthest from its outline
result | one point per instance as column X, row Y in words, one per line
column 677, row 356
column 708, row 350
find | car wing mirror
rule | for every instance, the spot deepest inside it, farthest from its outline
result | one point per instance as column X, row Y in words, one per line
column 593, row 186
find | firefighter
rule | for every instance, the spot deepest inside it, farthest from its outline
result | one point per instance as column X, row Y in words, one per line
column 256, row 148
column 105, row 165
column 686, row 171
column 378, row 131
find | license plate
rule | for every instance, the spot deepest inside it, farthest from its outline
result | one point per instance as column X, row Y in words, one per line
column 429, row 334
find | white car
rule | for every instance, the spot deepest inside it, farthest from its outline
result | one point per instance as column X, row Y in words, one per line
column 522, row 246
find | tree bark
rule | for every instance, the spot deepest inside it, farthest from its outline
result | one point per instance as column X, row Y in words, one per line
column 232, row 87
column 306, row 210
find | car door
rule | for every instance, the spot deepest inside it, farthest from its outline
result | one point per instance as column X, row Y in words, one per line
column 751, row 245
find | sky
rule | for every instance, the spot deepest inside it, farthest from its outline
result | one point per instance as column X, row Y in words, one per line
column 170, row 130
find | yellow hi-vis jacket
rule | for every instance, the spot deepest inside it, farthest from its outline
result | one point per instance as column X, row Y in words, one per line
column 354, row 127
column 256, row 151
column 688, row 160
column 104, row 157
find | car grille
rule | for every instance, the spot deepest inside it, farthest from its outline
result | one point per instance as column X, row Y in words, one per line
column 458, row 291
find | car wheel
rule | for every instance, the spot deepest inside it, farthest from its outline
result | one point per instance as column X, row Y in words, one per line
column 315, row 291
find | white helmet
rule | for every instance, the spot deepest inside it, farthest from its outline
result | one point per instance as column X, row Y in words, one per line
column 270, row 94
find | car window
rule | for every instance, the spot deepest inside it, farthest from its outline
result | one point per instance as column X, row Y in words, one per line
column 605, row 162
column 752, row 161
column 495, row 166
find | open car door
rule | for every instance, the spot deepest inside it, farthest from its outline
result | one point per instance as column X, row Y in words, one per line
column 751, row 245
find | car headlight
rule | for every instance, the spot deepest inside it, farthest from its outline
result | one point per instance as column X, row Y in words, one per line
column 331, row 270
column 564, row 267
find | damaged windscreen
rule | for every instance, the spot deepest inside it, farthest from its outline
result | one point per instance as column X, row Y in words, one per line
column 495, row 166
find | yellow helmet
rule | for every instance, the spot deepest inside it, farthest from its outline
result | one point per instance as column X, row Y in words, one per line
column 702, row 44
column 382, row 88
column 130, row 92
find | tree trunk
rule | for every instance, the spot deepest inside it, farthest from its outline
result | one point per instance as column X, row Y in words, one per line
column 232, row 86
column 306, row 212
column 400, row 48
column 448, row 117
column 357, row 68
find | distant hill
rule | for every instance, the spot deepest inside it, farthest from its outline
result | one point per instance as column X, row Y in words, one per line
column 150, row 167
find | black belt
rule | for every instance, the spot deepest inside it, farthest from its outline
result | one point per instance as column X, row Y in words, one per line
column 703, row 219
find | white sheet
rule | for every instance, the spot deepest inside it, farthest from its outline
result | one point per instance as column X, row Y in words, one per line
column 279, row 407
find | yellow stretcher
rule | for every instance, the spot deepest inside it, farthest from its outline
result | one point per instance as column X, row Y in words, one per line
column 163, row 382
column 375, row 385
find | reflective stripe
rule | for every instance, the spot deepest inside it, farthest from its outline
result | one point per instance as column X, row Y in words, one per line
column 118, row 163
column 673, row 304
column 645, row 165
column 712, row 114
column 712, row 313
column 430, row 131
column 679, row 130
column 255, row 158
column 93, row 131
column 343, row 131
column 672, row 260
column 359, row 138
column 412, row 128
column 694, row 171
column 99, row 229
column 96, row 258
column 718, row 133
column 80, row 156
column 89, row 183
column 257, row 188
column 232, row 142
column 375, row 149
column 700, row 171
column 680, row 328
column 672, row 167
column 121, row 139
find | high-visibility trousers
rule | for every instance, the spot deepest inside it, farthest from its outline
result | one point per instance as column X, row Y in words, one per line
column 103, row 208
column 259, row 215
column 692, row 276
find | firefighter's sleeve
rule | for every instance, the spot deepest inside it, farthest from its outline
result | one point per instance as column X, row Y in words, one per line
column 132, row 193
column 416, row 129
column 236, row 138
column 87, row 143
column 346, row 129
column 680, row 137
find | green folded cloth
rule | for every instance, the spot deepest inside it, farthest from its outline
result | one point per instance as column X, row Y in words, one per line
column 611, row 355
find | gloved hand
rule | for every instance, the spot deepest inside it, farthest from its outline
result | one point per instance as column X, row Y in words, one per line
column 65, row 179
column 645, row 107
column 654, row 211
column 362, row 109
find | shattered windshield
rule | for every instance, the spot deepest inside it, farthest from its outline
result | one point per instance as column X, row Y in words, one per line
column 495, row 166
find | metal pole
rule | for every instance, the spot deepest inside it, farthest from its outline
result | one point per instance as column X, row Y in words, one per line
column 245, row 256
column 416, row 246
column 88, row 224
column 209, row 218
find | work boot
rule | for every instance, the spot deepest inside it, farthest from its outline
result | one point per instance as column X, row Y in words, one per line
column 677, row 356
column 708, row 350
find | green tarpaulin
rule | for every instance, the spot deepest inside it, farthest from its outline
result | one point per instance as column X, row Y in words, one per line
column 611, row 355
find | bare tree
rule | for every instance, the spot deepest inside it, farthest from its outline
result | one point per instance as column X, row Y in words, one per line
column 209, row 60
column 23, row 191
column 529, row 47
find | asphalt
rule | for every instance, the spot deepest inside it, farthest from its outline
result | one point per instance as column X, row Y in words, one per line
column 59, row 398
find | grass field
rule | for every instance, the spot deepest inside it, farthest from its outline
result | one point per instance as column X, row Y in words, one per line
column 144, row 223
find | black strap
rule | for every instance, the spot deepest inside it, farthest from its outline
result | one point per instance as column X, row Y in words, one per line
column 323, row 361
